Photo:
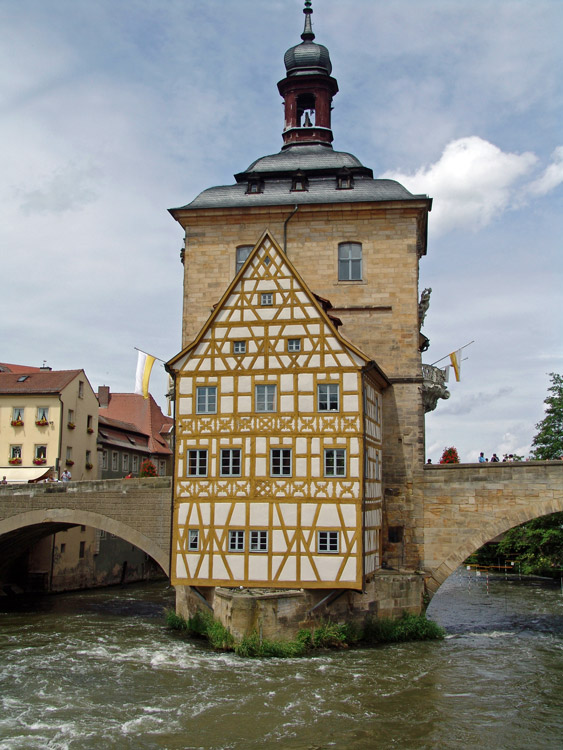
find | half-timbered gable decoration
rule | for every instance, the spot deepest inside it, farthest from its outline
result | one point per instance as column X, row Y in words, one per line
column 278, row 450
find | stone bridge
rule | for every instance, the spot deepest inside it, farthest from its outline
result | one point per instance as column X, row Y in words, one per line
column 137, row 510
column 466, row 505
column 462, row 507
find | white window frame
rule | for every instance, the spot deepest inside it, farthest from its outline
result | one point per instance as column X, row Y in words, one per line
column 80, row 389
column 281, row 462
column 328, row 542
column 265, row 396
column 161, row 467
column 124, row 462
column 350, row 261
column 294, row 345
column 114, row 461
column 41, row 451
column 206, row 399
column 236, row 540
column 42, row 413
column 258, row 541
column 335, row 462
column 15, row 451
column 104, row 459
column 17, row 413
column 193, row 540
column 267, row 299
column 70, row 416
column 327, row 395
column 239, row 347
column 134, row 462
column 196, row 459
column 229, row 458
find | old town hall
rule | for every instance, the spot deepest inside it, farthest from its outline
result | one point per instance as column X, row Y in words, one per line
column 299, row 392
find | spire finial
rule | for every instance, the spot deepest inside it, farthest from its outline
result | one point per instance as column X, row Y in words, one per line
column 307, row 34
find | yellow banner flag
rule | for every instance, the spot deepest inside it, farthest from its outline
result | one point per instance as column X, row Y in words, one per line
column 142, row 376
column 455, row 359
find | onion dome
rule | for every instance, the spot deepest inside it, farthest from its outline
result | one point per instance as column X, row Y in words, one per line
column 308, row 56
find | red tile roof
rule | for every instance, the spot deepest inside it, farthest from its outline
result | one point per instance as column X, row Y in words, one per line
column 6, row 367
column 143, row 414
column 37, row 381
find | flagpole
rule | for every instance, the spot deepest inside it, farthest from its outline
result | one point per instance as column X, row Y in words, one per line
column 148, row 355
column 457, row 350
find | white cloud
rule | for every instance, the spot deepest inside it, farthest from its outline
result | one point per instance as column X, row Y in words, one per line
column 472, row 183
column 551, row 178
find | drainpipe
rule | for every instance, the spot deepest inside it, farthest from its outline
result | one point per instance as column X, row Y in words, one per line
column 286, row 222
column 172, row 374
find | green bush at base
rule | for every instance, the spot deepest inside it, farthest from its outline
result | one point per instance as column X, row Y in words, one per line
column 326, row 635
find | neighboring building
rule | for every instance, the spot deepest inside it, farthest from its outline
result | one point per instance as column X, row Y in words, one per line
column 132, row 429
column 323, row 499
column 48, row 423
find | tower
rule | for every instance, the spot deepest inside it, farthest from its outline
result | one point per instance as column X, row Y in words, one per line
column 333, row 232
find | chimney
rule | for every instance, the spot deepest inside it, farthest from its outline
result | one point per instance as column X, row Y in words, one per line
column 45, row 367
column 103, row 396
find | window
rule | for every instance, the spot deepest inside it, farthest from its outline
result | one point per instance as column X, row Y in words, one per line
column 344, row 180
column 41, row 451
column 230, row 462
column 327, row 541
column 69, row 453
column 70, row 419
column 42, row 413
column 82, row 549
column 63, row 548
column 193, row 539
column 255, row 185
column 89, row 457
column 267, row 299
column 335, row 462
column 280, row 462
column 265, row 397
column 206, row 399
column 17, row 414
column 135, row 463
column 89, row 426
column 299, row 183
column 239, row 347
column 258, row 541
column 349, row 261
column 104, row 459
column 236, row 541
column 197, row 463
column 124, row 462
column 242, row 254
column 327, row 397
column 80, row 389
column 114, row 460
column 294, row 345
column 395, row 534
column 15, row 451
column 161, row 467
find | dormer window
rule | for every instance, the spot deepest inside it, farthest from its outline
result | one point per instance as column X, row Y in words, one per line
column 299, row 183
column 255, row 185
column 344, row 180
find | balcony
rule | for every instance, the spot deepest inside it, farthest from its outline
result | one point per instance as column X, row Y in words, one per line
column 433, row 386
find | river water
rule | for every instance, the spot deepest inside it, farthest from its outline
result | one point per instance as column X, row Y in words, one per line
column 100, row 670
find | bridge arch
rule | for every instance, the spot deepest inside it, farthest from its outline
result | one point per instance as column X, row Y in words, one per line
column 467, row 506
column 77, row 517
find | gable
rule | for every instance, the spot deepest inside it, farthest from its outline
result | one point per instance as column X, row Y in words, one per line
column 265, row 307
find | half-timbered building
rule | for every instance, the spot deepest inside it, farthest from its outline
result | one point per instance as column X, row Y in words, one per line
column 278, row 478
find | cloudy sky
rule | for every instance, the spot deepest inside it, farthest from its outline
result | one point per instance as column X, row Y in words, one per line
column 113, row 112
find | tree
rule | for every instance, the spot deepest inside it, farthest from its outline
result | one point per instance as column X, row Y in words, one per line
column 548, row 442
column 537, row 545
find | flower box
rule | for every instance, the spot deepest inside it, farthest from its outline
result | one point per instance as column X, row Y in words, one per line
column 39, row 461
column 17, row 422
column 41, row 422
column 14, row 461
column 71, row 425
column 89, row 466
column 69, row 462
column 90, row 430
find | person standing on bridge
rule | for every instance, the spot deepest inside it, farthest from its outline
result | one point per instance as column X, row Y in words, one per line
column 481, row 458
column 495, row 459
column 66, row 476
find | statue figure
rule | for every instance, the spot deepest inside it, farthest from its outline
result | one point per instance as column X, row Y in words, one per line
column 423, row 305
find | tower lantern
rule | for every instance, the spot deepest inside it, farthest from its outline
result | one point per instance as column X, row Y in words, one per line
column 307, row 90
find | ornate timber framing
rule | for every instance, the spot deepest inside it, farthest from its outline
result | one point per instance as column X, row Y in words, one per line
column 295, row 506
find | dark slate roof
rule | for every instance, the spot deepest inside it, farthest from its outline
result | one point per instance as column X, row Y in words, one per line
column 305, row 158
column 320, row 164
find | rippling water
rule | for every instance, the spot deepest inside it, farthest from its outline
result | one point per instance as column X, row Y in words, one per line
column 100, row 670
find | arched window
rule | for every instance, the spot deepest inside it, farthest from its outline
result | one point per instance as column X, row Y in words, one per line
column 243, row 251
column 350, row 261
